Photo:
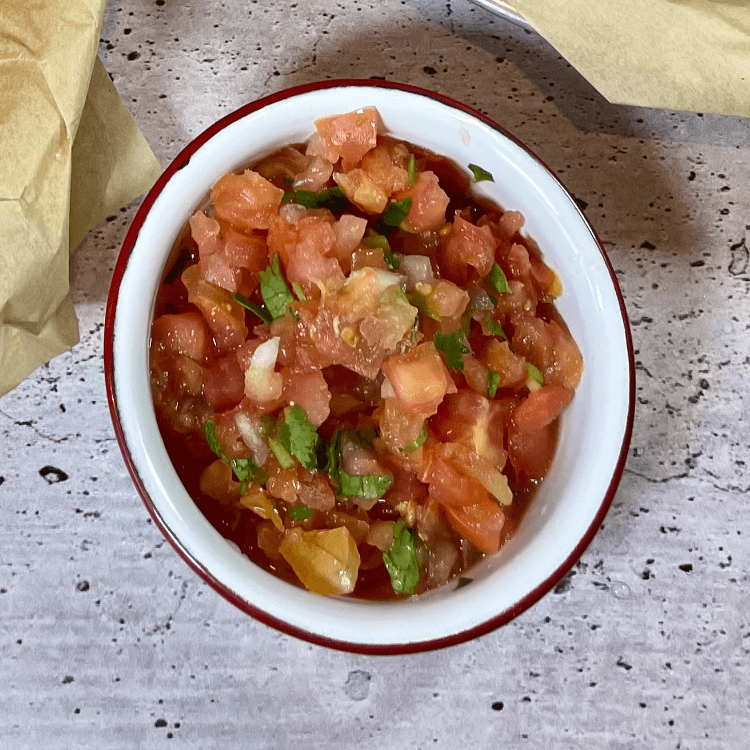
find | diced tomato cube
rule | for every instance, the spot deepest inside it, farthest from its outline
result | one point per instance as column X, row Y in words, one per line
column 224, row 385
column 224, row 316
column 182, row 333
column 310, row 392
column 429, row 202
column 419, row 379
column 247, row 201
column 481, row 523
column 511, row 368
column 541, row 407
column 359, row 188
column 468, row 245
column 349, row 136
column 387, row 165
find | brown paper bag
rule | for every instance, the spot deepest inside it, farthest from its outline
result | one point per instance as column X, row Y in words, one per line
column 56, row 120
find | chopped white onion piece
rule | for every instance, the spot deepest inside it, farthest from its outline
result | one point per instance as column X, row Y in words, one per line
column 386, row 390
column 252, row 434
column 264, row 357
column 292, row 212
column 384, row 279
column 417, row 268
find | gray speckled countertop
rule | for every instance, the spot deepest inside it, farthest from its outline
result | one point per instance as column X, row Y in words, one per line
column 108, row 640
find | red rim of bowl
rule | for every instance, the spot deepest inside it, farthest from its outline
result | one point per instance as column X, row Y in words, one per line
column 372, row 649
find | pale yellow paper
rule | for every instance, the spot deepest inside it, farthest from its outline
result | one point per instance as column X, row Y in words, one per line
column 674, row 54
column 52, row 124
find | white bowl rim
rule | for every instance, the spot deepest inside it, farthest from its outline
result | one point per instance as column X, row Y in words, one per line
column 257, row 612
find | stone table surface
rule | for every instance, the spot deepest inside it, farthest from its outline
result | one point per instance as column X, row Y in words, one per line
column 108, row 640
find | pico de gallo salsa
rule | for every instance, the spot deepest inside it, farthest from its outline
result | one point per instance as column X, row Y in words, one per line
column 357, row 366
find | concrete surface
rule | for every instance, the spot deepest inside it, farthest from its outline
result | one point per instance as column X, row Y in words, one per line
column 107, row 640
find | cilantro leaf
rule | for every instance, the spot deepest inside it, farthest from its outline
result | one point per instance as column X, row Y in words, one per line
column 300, row 512
column 498, row 280
column 299, row 292
column 400, row 560
column 261, row 312
column 332, row 199
column 418, row 442
column 411, row 170
column 245, row 469
column 494, row 327
column 282, row 454
column 392, row 217
column 392, row 260
column 534, row 373
column 422, row 304
column 213, row 443
column 299, row 437
column 462, row 581
column 493, row 381
column 274, row 289
column 481, row 174
column 333, row 451
column 454, row 346
column 373, row 239
column 371, row 486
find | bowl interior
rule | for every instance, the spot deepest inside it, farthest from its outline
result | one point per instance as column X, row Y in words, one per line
column 594, row 431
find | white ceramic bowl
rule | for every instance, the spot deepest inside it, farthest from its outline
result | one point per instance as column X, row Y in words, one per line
column 595, row 431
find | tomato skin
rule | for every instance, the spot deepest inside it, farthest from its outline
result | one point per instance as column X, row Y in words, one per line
column 450, row 487
column 531, row 453
column 541, row 407
column 481, row 523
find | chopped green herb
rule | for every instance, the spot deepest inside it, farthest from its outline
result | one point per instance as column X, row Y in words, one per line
column 282, row 454
column 454, row 346
column 332, row 199
column 213, row 443
column 481, row 175
column 299, row 292
column 462, row 581
column 371, row 486
column 534, row 373
column 498, row 280
column 244, row 469
column 274, row 289
column 261, row 312
column 418, row 443
column 494, row 327
column 299, row 437
column 373, row 239
column 300, row 512
column 396, row 212
column 392, row 260
column 400, row 560
column 422, row 304
column 493, row 381
column 411, row 170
